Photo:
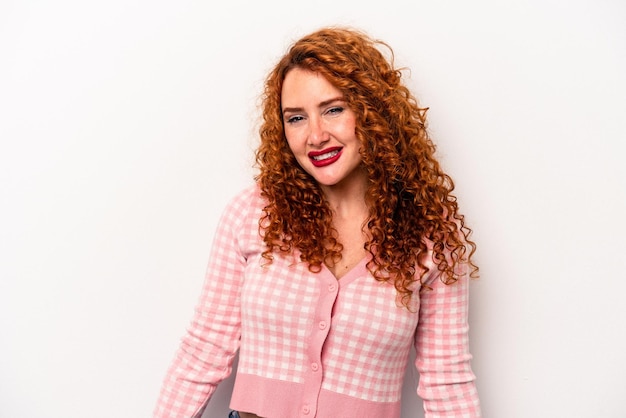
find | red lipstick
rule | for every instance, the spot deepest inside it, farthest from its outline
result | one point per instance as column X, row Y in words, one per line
column 325, row 157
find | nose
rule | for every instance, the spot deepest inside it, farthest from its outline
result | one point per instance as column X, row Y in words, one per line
column 318, row 134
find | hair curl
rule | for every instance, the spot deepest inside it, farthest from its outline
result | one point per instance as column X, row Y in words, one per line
column 411, row 207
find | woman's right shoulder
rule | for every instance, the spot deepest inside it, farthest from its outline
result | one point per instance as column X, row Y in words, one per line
column 249, row 195
column 245, row 203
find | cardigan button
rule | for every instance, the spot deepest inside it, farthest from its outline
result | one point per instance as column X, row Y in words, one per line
column 314, row 366
column 331, row 287
column 322, row 324
column 306, row 409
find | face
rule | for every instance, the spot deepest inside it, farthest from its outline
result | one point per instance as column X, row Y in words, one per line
column 320, row 129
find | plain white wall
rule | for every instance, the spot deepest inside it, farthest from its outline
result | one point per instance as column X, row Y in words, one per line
column 125, row 126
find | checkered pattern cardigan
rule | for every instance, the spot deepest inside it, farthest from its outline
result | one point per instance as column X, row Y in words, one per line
column 311, row 345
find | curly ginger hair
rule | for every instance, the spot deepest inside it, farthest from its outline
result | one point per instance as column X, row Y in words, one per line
column 412, row 212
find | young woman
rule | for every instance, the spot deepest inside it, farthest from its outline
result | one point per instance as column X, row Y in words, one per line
column 348, row 250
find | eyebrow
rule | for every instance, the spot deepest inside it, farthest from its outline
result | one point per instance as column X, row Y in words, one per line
column 321, row 104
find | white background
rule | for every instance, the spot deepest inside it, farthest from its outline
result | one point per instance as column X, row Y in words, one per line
column 125, row 126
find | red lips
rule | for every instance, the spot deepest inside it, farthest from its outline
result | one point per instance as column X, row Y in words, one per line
column 325, row 157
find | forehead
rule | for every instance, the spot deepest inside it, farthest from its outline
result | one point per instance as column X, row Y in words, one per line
column 303, row 86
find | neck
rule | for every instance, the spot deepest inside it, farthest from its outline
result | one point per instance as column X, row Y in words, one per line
column 347, row 199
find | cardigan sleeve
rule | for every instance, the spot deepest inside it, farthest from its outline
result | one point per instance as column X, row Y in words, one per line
column 206, row 352
column 446, row 383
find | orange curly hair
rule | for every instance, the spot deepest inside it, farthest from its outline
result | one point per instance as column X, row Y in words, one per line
column 412, row 211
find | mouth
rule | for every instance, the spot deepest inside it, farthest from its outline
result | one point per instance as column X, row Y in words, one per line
column 325, row 157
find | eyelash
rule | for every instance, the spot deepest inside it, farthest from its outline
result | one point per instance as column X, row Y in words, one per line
column 333, row 111
column 294, row 119
column 336, row 109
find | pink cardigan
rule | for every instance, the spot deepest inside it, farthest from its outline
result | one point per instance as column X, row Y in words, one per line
column 311, row 345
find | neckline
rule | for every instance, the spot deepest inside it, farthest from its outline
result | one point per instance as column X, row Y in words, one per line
column 354, row 273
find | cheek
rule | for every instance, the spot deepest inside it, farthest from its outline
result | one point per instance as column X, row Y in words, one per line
column 348, row 127
column 295, row 145
column 289, row 142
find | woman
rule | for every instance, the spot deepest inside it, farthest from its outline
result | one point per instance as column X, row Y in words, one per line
column 348, row 250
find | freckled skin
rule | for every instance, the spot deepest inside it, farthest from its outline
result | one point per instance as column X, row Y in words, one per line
column 317, row 119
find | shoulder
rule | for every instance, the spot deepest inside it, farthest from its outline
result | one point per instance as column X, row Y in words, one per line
column 245, row 198
column 245, row 206
column 431, row 261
